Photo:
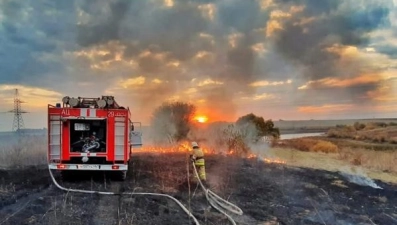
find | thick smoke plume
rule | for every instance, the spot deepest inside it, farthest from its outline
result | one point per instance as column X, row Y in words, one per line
column 220, row 54
column 214, row 42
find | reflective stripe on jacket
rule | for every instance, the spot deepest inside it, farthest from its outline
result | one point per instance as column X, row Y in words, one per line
column 199, row 162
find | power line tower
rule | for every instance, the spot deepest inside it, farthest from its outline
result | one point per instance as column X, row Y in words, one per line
column 17, row 125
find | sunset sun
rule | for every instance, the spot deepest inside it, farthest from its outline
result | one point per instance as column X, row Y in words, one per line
column 201, row 119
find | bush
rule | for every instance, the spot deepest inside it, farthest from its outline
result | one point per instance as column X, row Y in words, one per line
column 256, row 128
column 359, row 126
column 324, row 146
column 344, row 132
column 171, row 122
column 303, row 144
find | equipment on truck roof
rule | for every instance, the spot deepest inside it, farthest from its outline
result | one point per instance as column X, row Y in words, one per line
column 82, row 102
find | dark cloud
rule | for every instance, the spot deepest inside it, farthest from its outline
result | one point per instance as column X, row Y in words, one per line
column 105, row 24
column 390, row 50
column 242, row 16
column 28, row 30
column 307, row 44
column 334, row 24
column 179, row 43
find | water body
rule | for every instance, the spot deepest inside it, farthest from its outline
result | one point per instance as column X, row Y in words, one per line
column 291, row 136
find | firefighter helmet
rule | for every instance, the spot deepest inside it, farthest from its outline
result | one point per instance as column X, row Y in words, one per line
column 194, row 144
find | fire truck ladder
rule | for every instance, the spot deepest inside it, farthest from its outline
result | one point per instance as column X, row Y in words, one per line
column 55, row 136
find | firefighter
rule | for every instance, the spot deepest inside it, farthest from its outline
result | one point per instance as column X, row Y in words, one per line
column 197, row 156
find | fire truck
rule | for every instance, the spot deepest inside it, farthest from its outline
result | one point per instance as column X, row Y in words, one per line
column 94, row 134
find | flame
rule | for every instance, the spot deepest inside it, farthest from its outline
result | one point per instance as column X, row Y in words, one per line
column 201, row 119
column 267, row 160
column 184, row 147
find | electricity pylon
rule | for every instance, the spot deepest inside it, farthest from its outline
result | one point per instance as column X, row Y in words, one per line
column 17, row 125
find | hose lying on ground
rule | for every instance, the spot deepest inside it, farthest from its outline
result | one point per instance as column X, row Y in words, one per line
column 123, row 193
column 217, row 202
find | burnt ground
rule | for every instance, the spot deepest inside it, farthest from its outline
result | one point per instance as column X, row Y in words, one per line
column 267, row 193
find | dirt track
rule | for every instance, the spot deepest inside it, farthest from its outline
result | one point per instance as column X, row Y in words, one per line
column 270, row 193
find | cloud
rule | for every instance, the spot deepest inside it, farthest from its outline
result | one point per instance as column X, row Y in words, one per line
column 258, row 97
column 336, row 22
column 264, row 83
column 328, row 109
column 147, row 52
column 33, row 97
column 342, row 83
column 209, row 82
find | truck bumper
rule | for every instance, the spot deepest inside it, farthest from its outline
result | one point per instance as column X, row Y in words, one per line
column 114, row 167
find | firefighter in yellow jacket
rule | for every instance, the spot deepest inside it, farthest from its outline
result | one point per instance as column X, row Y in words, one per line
column 197, row 156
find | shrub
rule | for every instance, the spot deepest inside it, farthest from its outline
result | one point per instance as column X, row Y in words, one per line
column 379, row 138
column 171, row 122
column 256, row 128
column 359, row 126
column 235, row 141
column 303, row 144
column 324, row 146
column 344, row 132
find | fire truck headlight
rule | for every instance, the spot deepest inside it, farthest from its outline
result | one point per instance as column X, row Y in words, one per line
column 84, row 159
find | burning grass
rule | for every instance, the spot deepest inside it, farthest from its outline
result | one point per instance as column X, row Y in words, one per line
column 184, row 147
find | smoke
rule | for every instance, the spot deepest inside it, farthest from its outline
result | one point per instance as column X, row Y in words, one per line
column 208, row 52
column 189, row 42
column 357, row 175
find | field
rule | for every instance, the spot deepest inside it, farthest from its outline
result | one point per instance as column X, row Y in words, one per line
column 331, row 179
column 371, row 147
column 268, row 193
column 311, row 126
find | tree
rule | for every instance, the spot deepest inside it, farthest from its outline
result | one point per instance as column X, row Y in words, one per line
column 172, row 121
column 255, row 127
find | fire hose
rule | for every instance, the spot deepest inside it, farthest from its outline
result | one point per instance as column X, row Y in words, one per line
column 122, row 193
column 215, row 201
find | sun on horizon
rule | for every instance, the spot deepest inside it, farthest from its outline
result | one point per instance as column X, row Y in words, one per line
column 201, row 119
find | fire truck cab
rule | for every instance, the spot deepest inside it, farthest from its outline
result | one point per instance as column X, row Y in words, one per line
column 91, row 134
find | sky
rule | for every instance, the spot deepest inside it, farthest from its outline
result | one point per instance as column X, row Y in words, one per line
column 279, row 59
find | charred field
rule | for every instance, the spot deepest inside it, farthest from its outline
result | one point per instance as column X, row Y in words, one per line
column 267, row 193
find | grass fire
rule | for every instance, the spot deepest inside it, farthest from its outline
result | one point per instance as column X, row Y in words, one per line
column 163, row 112
column 266, row 179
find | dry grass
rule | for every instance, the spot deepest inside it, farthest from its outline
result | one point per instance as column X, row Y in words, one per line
column 324, row 146
column 379, row 167
column 379, row 163
column 23, row 151
column 378, row 160
column 373, row 132
column 311, row 145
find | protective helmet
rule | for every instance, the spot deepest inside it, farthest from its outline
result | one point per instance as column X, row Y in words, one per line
column 194, row 144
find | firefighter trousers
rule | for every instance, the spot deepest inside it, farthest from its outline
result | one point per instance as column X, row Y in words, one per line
column 200, row 166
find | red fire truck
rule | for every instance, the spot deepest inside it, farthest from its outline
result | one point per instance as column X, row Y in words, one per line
column 91, row 134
